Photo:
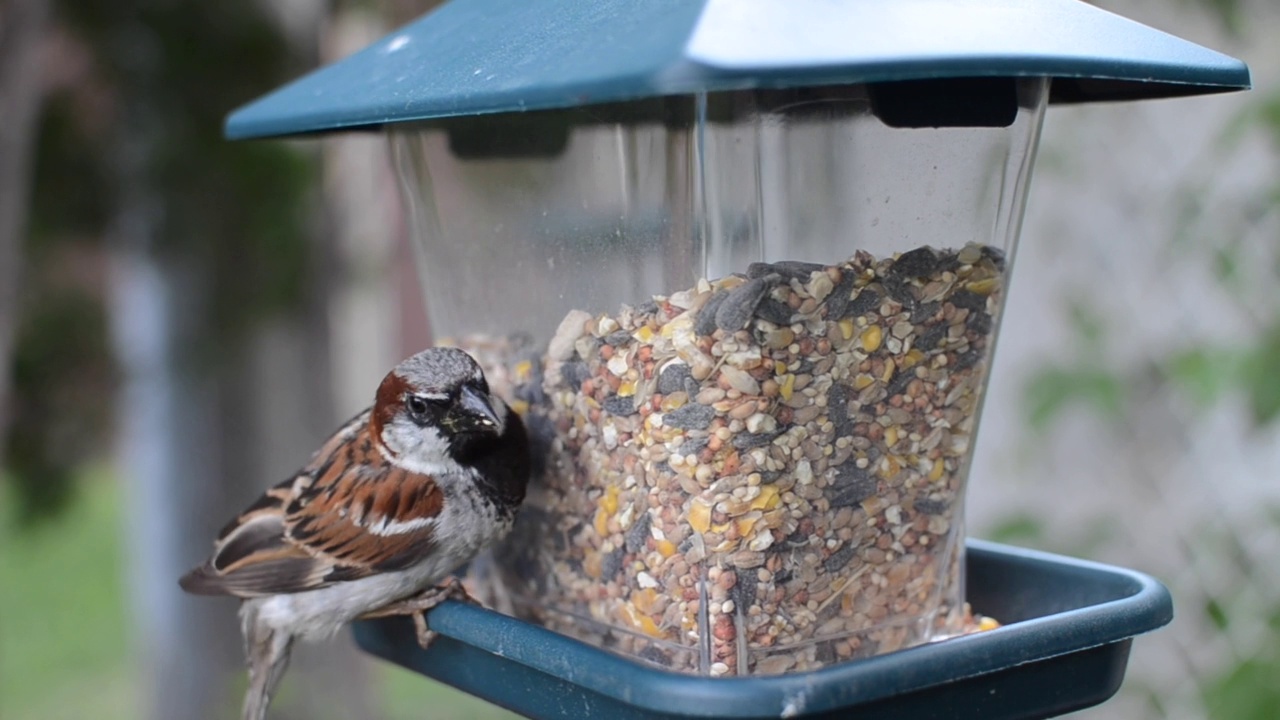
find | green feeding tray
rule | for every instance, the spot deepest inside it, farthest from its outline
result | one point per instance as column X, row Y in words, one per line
column 1065, row 647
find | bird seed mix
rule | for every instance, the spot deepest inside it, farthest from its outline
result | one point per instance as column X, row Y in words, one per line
column 760, row 474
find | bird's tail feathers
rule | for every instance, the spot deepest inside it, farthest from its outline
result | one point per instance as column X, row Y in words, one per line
column 267, row 655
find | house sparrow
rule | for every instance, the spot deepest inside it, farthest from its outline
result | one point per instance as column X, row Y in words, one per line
column 394, row 502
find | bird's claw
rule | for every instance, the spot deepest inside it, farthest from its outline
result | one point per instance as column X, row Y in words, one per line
column 426, row 635
column 416, row 606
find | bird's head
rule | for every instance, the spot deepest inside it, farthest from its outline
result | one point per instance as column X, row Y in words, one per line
column 434, row 409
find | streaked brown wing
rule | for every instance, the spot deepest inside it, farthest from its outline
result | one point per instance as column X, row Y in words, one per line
column 332, row 522
column 252, row 557
column 363, row 512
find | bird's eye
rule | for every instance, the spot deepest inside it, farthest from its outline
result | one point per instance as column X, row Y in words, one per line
column 417, row 406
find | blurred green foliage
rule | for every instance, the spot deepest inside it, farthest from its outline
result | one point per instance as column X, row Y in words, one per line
column 1205, row 371
column 237, row 209
column 1055, row 387
column 1084, row 378
column 63, row 611
column 1229, row 13
column 1234, row 238
column 1249, row 691
column 142, row 131
column 1249, row 688
column 61, row 374
column 1247, row 273
column 1017, row 529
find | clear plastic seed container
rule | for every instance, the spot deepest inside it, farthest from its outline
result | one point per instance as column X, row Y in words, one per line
column 750, row 332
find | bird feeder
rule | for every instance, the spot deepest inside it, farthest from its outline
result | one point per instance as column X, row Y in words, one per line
column 740, row 264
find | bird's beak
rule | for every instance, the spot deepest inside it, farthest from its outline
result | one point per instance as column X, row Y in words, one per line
column 475, row 411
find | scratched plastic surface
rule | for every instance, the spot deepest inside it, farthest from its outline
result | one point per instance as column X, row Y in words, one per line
column 910, row 196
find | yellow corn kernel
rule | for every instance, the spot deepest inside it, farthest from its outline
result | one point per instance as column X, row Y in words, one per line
column 627, row 388
column 768, row 499
column 699, row 515
column 889, row 467
column 673, row 402
column 889, row 367
column 645, row 600
column 523, row 370
column 779, row 368
column 666, row 548
column 846, row 328
column 891, row 435
column 745, row 525
column 987, row 623
column 982, row 287
column 649, row 627
column 871, row 338
column 935, row 474
column 644, row 334
column 912, row 358
column 609, row 501
column 601, row 523
column 520, row 406
column 862, row 381
column 787, row 386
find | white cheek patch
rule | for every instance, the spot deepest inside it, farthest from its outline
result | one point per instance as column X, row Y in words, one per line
column 406, row 438
column 419, row 450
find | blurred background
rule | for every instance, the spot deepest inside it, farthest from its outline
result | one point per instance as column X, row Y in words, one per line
column 182, row 319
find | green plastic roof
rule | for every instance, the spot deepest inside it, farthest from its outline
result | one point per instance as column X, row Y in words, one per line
column 472, row 57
